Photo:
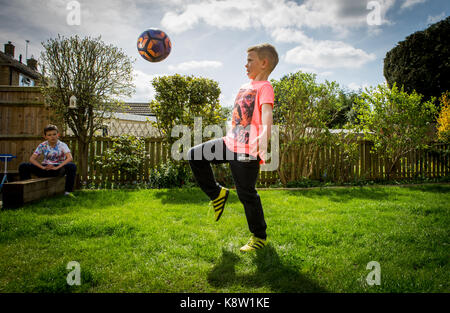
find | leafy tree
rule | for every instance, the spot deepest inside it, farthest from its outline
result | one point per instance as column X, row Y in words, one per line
column 345, row 114
column 304, row 109
column 179, row 99
column 397, row 122
column 444, row 118
column 422, row 61
column 95, row 73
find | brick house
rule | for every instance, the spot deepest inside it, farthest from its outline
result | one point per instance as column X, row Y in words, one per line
column 15, row 73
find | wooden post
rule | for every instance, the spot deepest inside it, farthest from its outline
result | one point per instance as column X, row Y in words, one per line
column 144, row 175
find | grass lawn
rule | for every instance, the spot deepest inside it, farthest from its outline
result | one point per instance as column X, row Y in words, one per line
column 165, row 240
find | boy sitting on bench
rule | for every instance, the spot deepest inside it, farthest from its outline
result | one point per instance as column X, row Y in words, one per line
column 57, row 160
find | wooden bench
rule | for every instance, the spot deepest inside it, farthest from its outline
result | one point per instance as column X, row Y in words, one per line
column 18, row 193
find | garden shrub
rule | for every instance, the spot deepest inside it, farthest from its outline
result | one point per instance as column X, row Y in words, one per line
column 125, row 157
column 171, row 174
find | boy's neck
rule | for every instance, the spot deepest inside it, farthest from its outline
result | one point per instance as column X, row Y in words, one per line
column 52, row 144
column 262, row 76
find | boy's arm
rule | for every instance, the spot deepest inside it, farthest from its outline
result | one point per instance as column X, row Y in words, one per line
column 267, row 120
column 34, row 161
column 67, row 160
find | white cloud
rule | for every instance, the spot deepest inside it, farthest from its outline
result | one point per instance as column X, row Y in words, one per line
column 289, row 35
column 320, row 53
column 45, row 19
column 326, row 73
column 436, row 18
column 410, row 3
column 187, row 66
column 339, row 15
column 328, row 54
column 144, row 89
column 355, row 87
column 315, row 71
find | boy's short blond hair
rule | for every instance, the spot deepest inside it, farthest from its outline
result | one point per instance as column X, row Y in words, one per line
column 266, row 51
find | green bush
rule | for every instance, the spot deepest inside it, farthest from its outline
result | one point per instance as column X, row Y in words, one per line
column 171, row 174
column 125, row 157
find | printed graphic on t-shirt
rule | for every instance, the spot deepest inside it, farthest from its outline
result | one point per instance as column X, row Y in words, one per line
column 52, row 155
column 242, row 114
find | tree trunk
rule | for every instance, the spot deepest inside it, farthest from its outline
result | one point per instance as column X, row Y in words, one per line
column 83, row 148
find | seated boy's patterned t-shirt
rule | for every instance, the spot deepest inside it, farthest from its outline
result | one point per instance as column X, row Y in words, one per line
column 246, row 123
column 52, row 155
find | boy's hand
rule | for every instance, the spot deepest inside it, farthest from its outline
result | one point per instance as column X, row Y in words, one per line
column 267, row 120
column 48, row 167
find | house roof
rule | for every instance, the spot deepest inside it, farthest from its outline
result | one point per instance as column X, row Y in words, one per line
column 23, row 68
column 138, row 108
column 134, row 117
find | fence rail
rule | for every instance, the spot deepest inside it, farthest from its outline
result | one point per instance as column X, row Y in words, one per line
column 428, row 163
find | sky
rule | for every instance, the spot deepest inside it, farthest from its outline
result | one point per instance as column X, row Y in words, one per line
column 339, row 40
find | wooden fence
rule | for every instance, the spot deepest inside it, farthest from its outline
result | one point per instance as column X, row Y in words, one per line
column 23, row 116
column 368, row 166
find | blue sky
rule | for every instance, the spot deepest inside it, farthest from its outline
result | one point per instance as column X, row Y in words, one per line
column 331, row 38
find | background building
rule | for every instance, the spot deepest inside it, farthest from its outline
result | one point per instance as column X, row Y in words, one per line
column 15, row 73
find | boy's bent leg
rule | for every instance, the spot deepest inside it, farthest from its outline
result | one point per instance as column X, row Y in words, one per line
column 201, row 167
column 245, row 175
column 26, row 169
column 70, row 170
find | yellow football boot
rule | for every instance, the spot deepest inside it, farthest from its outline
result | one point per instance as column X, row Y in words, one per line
column 219, row 203
column 254, row 244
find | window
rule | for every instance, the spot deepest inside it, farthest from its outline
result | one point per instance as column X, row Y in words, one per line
column 25, row 81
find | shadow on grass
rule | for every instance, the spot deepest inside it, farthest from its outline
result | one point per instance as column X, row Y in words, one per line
column 431, row 188
column 376, row 193
column 188, row 195
column 95, row 199
column 343, row 194
column 270, row 271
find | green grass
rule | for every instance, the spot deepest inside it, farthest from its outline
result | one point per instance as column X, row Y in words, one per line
column 166, row 241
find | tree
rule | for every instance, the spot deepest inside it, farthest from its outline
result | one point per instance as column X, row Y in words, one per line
column 95, row 73
column 397, row 122
column 303, row 109
column 443, row 120
column 179, row 99
column 422, row 61
column 345, row 114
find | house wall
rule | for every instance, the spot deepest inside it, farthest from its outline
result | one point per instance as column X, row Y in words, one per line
column 4, row 75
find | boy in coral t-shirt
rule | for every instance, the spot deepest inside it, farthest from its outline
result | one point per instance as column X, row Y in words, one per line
column 244, row 147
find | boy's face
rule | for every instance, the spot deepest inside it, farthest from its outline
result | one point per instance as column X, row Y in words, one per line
column 51, row 136
column 255, row 65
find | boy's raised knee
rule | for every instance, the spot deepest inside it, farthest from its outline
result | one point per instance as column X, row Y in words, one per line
column 23, row 166
column 71, row 166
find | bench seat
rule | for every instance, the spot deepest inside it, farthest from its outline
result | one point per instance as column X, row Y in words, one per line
column 16, row 194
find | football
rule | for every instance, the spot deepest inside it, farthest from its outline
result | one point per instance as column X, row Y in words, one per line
column 154, row 45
